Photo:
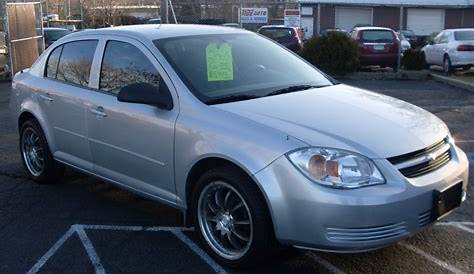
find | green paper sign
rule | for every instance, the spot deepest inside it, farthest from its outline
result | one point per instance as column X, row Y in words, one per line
column 219, row 62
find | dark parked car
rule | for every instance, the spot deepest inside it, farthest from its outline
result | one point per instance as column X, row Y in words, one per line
column 53, row 34
column 290, row 37
column 411, row 37
column 377, row 46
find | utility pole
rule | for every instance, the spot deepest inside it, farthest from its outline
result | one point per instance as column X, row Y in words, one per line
column 164, row 11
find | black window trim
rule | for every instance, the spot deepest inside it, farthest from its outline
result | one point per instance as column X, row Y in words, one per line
column 45, row 72
column 91, row 71
column 102, row 63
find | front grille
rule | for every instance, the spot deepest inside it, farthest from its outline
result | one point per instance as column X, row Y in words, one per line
column 425, row 218
column 367, row 233
column 423, row 161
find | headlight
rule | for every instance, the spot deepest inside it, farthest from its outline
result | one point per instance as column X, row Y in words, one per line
column 336, row 168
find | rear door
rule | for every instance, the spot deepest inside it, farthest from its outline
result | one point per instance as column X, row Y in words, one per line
column 62, row 95
column 132, row 144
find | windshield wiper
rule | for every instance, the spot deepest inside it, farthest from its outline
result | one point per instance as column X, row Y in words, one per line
column 293, row 89
column 231, row 98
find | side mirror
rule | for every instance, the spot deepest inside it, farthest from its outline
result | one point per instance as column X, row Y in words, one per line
column 144, row 93
column 431, row 42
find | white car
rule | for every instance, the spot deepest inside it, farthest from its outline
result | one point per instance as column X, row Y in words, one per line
column 452, row 48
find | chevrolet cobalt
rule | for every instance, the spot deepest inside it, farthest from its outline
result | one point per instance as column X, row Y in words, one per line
column 258, row 148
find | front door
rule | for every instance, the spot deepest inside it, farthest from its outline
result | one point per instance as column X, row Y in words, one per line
column 132, row 144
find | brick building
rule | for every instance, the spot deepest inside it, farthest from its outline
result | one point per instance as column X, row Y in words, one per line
column 422, row 16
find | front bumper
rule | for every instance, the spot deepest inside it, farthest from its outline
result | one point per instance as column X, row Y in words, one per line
column 309, row 215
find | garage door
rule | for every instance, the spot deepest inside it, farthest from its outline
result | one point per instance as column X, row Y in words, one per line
column 425, row 21
column 347, row 18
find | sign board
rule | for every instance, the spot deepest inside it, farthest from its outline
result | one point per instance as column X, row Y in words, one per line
column 292, row 18
column 253, row 15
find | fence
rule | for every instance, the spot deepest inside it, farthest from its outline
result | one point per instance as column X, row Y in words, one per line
column 225, row 11
column 25, row 33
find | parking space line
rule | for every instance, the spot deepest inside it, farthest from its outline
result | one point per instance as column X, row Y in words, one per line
column 51, row 251
column 86, row 242
column 460, row 225
column 325, row 263
column 135, row 228
column 217, row 268
column 437, row 261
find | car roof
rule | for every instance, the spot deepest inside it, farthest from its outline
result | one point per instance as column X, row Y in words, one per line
column 460, row 29
column 159, row 31
column 372, row 28
column 54, row 28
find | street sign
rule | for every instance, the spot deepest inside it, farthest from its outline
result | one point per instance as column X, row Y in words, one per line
column 254, row 15
column 292, row 18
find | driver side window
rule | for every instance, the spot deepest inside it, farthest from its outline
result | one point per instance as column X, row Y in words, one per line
column 124, row 64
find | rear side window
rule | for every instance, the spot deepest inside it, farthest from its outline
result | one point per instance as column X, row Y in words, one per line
column 53, row 61
column 465, row 35
column 76, row 61
column 377, row 36
column 124, row 64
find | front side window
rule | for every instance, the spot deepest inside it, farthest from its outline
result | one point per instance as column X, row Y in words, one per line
column 52, row 63
column 124, row 64
column 76, row 61
column 236, row 65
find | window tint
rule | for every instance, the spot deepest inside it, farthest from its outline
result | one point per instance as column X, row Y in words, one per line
column 377, row 36
column 465, row 35
column 76, row 61
column 278, row 34
column 124, row 64
column 52, row 64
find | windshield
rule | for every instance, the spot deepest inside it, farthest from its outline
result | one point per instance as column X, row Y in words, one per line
column 408, row 33
column 244, row 65
column 377, row 36
column 54, row 35
column 278, row 34
column 465, row 35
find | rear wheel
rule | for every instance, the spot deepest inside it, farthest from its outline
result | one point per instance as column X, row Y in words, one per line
column 36, row 156
column 232, row 219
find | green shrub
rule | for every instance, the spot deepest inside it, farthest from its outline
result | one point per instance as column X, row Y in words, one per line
column 334, row 53
column 413, row 60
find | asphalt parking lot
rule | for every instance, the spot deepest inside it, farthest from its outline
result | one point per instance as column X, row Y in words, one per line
column 87, row 226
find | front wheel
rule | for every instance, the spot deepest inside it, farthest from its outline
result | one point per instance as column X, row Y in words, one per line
column 232, row 219
column 447, row 67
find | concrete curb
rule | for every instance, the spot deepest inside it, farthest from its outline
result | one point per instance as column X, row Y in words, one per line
column 452, row 82
column 385, row 75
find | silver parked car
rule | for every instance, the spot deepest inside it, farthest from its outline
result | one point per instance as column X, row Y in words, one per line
column 257, row 147
column 452, row 48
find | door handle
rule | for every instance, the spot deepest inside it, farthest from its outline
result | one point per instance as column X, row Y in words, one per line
column 46, row 97
column 99, row 111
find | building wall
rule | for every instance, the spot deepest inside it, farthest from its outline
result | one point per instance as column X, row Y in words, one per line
column 388, row 17
column 453, row 18
column 468, row 18
column 328, row 16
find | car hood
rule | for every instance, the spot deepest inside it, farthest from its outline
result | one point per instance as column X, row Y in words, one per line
column 346, row 117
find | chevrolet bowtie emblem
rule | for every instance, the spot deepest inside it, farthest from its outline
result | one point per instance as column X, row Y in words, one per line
column 430, row 157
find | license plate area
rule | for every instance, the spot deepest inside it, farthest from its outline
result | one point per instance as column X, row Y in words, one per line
column 379, row 47
column 447, row 199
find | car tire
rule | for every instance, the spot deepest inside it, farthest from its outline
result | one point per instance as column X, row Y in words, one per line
column 36, row 156
column 236, row 238
column 447, row 67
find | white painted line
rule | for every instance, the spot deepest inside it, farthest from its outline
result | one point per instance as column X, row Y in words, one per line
column 460, row 225
column 51, row 251
column 464, row 141
column 86, row 242
column 329, row 266
column 217, row 268
column 136, row 228
column 437, row 261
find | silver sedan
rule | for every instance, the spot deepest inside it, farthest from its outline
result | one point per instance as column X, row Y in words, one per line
column 258, row 148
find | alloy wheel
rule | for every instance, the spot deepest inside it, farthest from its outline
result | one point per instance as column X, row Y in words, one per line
column 225, row 220
column 32, row 152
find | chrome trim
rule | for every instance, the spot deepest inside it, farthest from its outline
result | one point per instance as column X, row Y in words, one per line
column 425, row 158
